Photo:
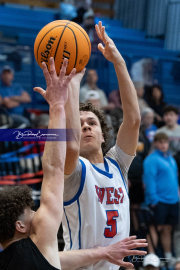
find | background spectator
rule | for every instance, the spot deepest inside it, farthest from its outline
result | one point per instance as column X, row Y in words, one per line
column 140, row 93
column 114, row 98
column 135, row 183
column 151, row 262
column 13, row 97
column 161, row 189
column 171, row 128
column 89, row 26
column 155, row 99
column 91, row 84
column 147, row 120
column 142, row 71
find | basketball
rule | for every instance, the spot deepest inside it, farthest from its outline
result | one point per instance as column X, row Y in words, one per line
column 63, row 39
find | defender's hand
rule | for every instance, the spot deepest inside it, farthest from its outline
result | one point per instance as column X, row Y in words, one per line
column 56, row 92
column 117, row 252
column 110, row 51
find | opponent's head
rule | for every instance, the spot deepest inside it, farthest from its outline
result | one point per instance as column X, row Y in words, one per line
column 94, row 130
column 15, row 214
column 161, row 142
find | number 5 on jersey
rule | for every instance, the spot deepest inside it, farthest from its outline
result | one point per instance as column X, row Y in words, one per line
column 111, row 221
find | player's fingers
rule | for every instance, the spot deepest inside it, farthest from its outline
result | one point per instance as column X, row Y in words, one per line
column 125, row 264
column 39, row 90
column 135, row 252
column 98, row 31
column 127, row 239
column 104, row 36
column 137, row 245
column 136, row 241
column 101, row 47
column 83, row 71
column 100, row 26
column 71, row 75
column 46, row 74
column 52, row 69
column 63, row 69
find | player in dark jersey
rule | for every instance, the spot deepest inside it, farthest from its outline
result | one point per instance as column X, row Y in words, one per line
column 29, row 239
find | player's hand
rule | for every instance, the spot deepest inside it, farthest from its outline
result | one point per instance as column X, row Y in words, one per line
column 76, row 80
column 117, row 252
column 56, row 92
column 110, row 51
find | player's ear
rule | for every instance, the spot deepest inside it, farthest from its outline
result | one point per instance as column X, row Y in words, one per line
column 20, row 226
column 103, row 138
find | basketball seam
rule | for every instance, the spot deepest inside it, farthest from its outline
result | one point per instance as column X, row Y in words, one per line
column 59, row 41
column 44, row 37
column 76, row 45
column 84, row 35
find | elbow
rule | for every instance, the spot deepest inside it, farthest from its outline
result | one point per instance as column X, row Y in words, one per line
column 72, row 151
column 135, row 121
column 72, row 147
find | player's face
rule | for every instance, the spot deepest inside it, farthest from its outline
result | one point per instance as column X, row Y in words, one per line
column 162, row 145
column 91, row 134
column 170, row 118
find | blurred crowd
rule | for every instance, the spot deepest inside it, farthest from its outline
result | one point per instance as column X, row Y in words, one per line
column 153, row 176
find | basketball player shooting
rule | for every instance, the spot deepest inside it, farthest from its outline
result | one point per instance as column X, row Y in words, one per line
column 29, row 239
column 96, row 203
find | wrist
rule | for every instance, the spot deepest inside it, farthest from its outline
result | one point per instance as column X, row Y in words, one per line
column 119, row 62
column 56, row 107
column 103, row 253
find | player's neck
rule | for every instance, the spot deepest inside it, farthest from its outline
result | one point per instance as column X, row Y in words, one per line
column 95, row 157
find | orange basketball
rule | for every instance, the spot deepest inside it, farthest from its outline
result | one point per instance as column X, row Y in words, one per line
column 63, row 39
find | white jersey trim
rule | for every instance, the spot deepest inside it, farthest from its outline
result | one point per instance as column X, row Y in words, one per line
column 117, row 166
column 83, row 176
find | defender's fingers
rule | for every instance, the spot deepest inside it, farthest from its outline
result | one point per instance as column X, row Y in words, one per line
column 52, row 68
column 100, row 26
column 104, row 35
column 63, row 69
column 125, row 264
column 135, row 252
column 71, row 75
column 101, row 47
column 137, row 245
column 46, row 74
column 39, row 90
column 136, row 241
column 98, row 31
column 127, row 239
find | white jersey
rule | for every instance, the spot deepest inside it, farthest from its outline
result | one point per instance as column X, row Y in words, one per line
column 99, row 213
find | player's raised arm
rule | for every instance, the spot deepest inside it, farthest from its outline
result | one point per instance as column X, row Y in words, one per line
column 73, row 123
column 48, row 217
column 127, row 137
